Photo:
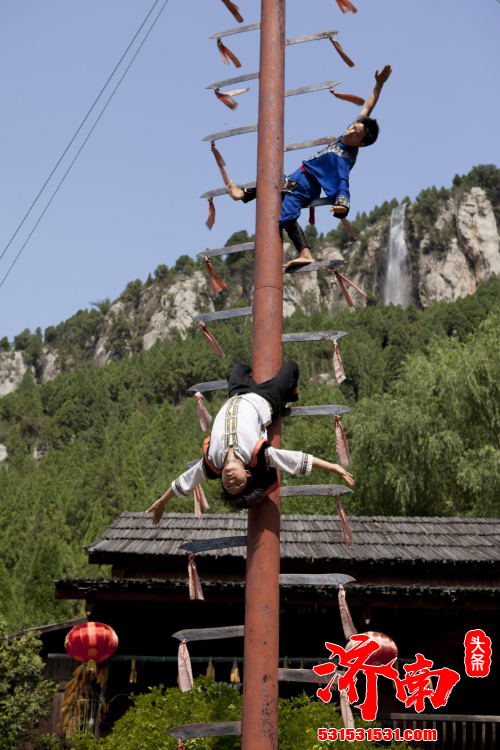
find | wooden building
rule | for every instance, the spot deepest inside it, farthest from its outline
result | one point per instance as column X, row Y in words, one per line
column 423, row 581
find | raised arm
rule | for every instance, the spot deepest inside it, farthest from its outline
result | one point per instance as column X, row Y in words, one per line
column 183, row 486
column 296, row 462
column 380, row 79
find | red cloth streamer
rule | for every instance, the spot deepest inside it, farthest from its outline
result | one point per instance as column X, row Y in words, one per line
column 203, row 415
column 345, row 709
column 348, row 228
column 341, row 446
column 195, row 590
column 343, row 280
column 227, row 55
column 341, row 52
column 235, row 8
column 211, row 213
column 348, row 97
column 227, row 98
column 216, row 283
column 220, row 163
column 312, row 216
column 184, row 667
column 338, row 368
column 344, row 5
column 345, row 615
column 213, row 343
column 200, row 501
column 180, row 744
column 346, row 529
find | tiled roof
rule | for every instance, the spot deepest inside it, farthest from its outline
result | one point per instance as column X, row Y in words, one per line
column 376, row 538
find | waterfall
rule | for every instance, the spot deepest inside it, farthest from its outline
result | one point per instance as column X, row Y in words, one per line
column 397, row 281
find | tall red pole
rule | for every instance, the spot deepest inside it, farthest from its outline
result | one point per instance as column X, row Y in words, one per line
column 261, row 649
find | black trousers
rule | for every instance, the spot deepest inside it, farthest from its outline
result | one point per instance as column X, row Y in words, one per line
column 277, row 391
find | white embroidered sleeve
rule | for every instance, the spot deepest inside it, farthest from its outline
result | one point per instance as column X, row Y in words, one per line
column 185, row 484
column 293, row 462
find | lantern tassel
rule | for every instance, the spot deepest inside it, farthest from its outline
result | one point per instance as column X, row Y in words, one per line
column 341, row 52
column 133, row 672
column 220, row 162
column 344, row 521
column 338, row 367
column 195, row 590
column 345, row 709
column 227, row 97
column 185, row 678
column 358, row 100
column 341, row 444
column 211, row 340
column 235, row 8
column 235, row 673
column 216, row 283
column 211, row 213
column 345, row 6
column 286, row 663
column 227, row 55
column 210, row 669
column 203, row 415
column 345, row 615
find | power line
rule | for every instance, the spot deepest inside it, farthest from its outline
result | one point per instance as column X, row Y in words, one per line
column 85, row 141
column 81, row 126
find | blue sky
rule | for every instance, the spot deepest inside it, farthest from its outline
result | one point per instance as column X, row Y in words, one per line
column 132, row 202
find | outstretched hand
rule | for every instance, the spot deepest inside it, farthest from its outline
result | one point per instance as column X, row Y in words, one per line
column 158, row 507
column 344, row 474
column 382, row 77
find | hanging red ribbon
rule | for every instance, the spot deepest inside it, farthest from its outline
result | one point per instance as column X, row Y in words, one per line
column 235, row 8
column 346, row 529
column 345, row 709
column 216, row 283
column 345, row 615
column 200, row 501
column 220, row 163
column 213, row 343
column 341, row 52
column 227, row 55
column 227, row 98
column 184, row 668
column 358, row 100
column 312, row 216
column 348, row 228
column 195, row 590
column 341, row 446
column 180, row 744
column 211, row 214
column 203, row 414
column 338, row 367
column 343, row 280
column 344, row 5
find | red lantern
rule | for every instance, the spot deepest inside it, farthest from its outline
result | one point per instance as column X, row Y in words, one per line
column 387, row 652
column 92, row 642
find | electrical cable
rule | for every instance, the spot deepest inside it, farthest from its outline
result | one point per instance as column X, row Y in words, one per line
column 81, row 126
column 85, row 141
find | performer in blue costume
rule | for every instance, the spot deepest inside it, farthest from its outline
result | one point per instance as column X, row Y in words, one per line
column 328, row 170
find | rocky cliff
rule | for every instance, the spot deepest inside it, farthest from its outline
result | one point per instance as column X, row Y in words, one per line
column 451, row 249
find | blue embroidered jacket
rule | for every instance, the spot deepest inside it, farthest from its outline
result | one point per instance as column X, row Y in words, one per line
column 331, row 168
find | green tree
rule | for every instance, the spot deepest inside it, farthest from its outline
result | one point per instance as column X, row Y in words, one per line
column 41, row 607
column 25, row 697
column 5, row 345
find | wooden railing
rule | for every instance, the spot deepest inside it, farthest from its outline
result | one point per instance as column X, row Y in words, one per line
column 454, row 731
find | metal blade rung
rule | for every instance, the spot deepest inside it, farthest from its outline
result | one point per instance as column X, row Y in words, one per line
column 323, row 141
column 315, row 490
column 324, row 265
column 315, row 411
column 222, row 191
column 230, row 133
column 227, row 250
column 214, row 385
column 289, row 338
column 310, row 37
column 302, row 675
column 311, row 89
column 314, row 579
column 238, row 312
column 237, row 30
column 231, row 81
column 210, row 634
column 225, row 542
column 214, row 729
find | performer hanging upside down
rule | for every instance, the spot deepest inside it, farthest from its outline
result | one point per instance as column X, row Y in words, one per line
column 237, row 451
column 329, row 169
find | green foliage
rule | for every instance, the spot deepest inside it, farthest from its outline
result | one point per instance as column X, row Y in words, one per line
column 25, row 697
column 426, row 209
column 439, row 240
column 5, row 345
column 145, row 725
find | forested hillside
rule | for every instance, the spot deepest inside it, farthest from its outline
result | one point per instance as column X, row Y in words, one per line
column 424, row 433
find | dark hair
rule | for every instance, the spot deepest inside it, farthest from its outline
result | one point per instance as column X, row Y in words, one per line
column 372, row 130
column 249, row 498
